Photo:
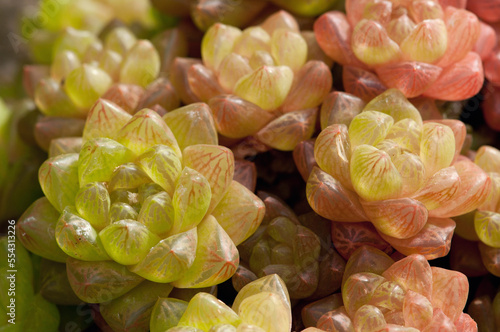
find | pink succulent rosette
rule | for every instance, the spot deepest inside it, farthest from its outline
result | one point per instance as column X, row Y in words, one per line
column 419, row 47
column 265, row 81
column 379, row 294
column 403, row 175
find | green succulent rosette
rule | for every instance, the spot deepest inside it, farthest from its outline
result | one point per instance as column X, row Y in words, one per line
column 140, row 205
column 262, row 305
column 115, row 65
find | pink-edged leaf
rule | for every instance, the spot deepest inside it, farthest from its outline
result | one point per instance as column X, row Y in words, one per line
column 236, row 117
column 367, row 259
column 245, row 173
column 303, row 156
column 412, row 273
column 311, row 84
column 105, row 119
column 333, row 34
column 459, row 81
column 417, row 310
column 347, row 237
column 288, row 130
column 475, row 186
column 450, row 290
column 337, row 319
column 203, row 82
column 463, row 30
column 126, row 96
column 331, row 200
column 362, row 83
column 412, row 78
column 340, row 108
column 465, row 323
column 433, row 241
column 400, row 218
column 439, row 189
column 440, row 323
column 332, row 152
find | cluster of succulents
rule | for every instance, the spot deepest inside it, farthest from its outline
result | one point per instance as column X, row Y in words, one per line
column 155, row 149
column 408, row 295
column 135, row 202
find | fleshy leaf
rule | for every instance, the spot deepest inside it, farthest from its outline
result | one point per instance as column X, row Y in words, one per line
column 216, row 257
column 166, row 314
column 127, row 176
column 311, row 85
column 98, row 159
column 487, row 226
column 369, row 318
column 439, row 189
column 394, row 103
column 192, row 124
column 267, row 87
column 412, row 273
column 217, row 43
column 288, row 48
column 145, row 129
column 58, row 178
column 132, row 311
column 488, row 158
column 157, row 213
column 401, row 218
column 104, row 120
column 93, row 203
column 237, row 118
column 205, row 310
column 332, row 152
column 36, row 228
column 231, row 69
column 358, row 290
column 169, row 259
column 371, row 44
column 215, row 163
column 459, row 81
column 339, row 108
column 373, row 175
column 433, row 241
column 127, row 241
column 427, row 42
column 369, row 128
column 141, row 64
column 449, row 291
column 266, row 310
column 286, row 131
column 203, row 82
column 190, row 200
column 417, row 310
column 410, row 77
column 331, row 200
column 437, row 147
column 85, row 84
column 239, row 212
column 77, row 238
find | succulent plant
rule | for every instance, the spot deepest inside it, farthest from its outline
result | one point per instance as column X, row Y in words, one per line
column 262, row 305
column 419, row 47
column 44, row 26
column 483, row 225
column 407, row 295
column 265, row 81
column 298, row 249
column 118, row 67
column 146, row 203
column 403, row 175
